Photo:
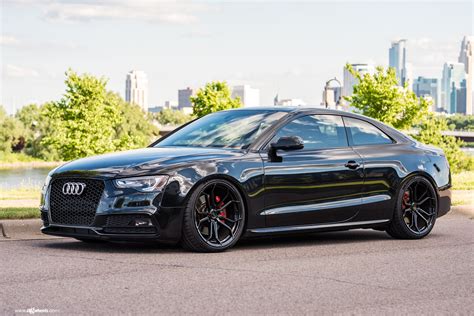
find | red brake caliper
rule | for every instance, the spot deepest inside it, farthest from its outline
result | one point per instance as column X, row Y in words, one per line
column 406, row 199
column 220, row 203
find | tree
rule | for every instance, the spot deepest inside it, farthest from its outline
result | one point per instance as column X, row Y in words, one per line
column 378, row 96
column 12, row 133
column 214, row 97
column 135, row 129
column 83, row 121
column 172, row 117
column 430, row 133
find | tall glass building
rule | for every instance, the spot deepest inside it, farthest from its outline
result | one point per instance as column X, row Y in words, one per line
column 397, row 59
column 428, row 87
column 453, row 88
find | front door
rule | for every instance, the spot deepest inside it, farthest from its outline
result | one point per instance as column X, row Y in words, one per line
column 321, row 183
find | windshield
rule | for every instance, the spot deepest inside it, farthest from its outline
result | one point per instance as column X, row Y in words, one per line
column 229, row 129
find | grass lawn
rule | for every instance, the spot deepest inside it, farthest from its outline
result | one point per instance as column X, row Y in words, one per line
column 463, row 180
column 23, row 193
column 19, row 212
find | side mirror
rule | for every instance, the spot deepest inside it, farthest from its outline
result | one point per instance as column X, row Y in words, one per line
column 284, row 143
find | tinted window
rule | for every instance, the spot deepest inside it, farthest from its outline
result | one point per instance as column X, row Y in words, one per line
column 229, row 129
column 317, row 131
column 364, row 133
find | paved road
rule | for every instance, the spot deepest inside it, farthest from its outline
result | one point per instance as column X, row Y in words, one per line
column 361, row 272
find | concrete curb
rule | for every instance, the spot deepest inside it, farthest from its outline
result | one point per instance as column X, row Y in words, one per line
column 14, row 229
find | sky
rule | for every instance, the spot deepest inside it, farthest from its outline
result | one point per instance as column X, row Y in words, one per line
column 287, row 47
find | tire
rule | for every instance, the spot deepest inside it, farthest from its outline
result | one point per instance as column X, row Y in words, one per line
column 409, row 215
column 205, row 212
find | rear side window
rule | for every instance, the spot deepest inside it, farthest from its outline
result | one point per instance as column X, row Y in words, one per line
column 317, row 131
column 364, row 133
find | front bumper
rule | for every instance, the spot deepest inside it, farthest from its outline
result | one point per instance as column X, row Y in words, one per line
column 165, row 227
column 114, row 217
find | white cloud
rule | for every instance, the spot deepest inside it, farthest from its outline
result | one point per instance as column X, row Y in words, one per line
column 171, row 12
column 20, row 72
column 6, row 40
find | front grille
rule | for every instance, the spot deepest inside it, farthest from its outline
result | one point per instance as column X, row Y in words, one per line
column 76, row 210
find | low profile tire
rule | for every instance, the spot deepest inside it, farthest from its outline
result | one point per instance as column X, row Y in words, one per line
column 415, row 211
column 214, row 217
column 91, row 241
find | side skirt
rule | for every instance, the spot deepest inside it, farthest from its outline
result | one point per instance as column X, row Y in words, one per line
column 313, row 227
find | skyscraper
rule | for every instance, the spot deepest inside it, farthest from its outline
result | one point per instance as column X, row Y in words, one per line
column 136, row 89
column 465, row 57
column 248, row 96
column 184, row 98
column 453, row 88
column 397, row 59
column 349, row 81
column 424, row 87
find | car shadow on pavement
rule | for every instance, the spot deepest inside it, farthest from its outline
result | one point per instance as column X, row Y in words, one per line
column 299, row 240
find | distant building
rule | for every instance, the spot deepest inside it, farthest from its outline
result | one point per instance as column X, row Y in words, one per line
column 397, row 59
column 168, row 105
column 136, row 89
column 428, row 87
column 465, row 57
column 349, row 81
column 184, row 98
column 248, row 96
column 453, row 88
column 290, row 102
column 333, row 97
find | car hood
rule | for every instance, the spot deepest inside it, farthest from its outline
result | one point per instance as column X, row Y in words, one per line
column 142, row 161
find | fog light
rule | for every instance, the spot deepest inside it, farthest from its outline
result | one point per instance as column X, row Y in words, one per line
column 142, row 222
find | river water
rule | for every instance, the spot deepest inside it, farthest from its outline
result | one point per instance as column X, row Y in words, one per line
column 23, row 177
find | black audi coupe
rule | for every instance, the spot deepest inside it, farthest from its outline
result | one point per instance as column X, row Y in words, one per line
column 252, row 172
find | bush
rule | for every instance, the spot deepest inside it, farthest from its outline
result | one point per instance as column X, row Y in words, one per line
column 430, row 133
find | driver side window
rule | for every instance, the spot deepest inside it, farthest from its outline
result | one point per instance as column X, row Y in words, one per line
column 317, row 131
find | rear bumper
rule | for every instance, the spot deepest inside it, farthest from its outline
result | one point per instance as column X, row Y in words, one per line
column 444, row 201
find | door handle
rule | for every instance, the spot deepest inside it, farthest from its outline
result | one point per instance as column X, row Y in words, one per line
column 351, row 164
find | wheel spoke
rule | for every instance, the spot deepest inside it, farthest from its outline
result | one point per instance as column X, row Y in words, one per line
column 225, row 205
column 415, row 221
column 424, row 200
column 228, row 227
column 418, row 200
column 425, row 212
column 205, row 219
column 213, row 195
column 210, row 231
column 424, row 218
column 230, row 220
column 216, row 231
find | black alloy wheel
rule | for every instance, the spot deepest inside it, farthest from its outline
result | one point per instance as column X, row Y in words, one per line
column 214, row 217
column 416, row 210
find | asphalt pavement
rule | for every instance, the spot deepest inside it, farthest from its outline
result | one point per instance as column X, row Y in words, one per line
column 351, row 272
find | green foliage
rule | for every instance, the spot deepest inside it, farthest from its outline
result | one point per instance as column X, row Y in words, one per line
column 461, row 122
column 378, row 96
column 430, row 133
column 214, row 97
column 37, row 126
column 12, row 133
column 172, row 117
column 135, row 129
column 89, row 120
column 82, row 121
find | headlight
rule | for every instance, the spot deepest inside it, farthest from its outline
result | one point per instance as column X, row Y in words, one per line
column 142, row 184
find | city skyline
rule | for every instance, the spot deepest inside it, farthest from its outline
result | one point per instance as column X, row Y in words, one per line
column 276, row 55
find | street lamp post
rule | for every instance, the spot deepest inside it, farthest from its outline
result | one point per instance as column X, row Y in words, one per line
column 326, row 89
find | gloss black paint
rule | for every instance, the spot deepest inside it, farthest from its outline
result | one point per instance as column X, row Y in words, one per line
column 306, row 191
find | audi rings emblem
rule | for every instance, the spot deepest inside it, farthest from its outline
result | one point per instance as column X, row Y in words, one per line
column 73, row 188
